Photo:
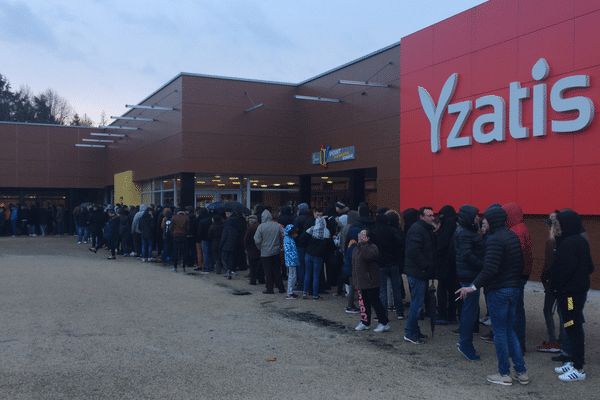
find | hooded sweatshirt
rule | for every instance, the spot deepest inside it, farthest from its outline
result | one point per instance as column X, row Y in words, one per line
column 289, row 248
column 136, row 220
column 572, row 265
column 515, row 223
column 268, row 235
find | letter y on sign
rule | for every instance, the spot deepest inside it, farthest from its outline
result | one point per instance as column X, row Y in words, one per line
column 435, row 113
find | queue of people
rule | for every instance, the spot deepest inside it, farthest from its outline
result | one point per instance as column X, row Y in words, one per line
column 355, row 254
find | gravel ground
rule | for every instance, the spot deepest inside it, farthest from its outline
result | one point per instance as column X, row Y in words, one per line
column 77, row 326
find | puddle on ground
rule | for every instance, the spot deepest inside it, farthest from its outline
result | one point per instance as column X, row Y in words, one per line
column 313, row 319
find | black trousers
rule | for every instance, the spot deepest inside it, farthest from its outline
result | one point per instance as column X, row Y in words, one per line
column 180, row 251
column 571, row 307
column 368, row 298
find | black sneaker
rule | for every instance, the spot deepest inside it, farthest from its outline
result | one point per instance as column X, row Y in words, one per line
column 413, row 339
column 561, row 358
column 421, row 336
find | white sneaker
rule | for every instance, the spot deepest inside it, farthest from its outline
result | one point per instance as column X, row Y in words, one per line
column 486, row 321
column 362, row 327
column 572, row 375
column 151, row 259
column 382, row 328
column 567, row 367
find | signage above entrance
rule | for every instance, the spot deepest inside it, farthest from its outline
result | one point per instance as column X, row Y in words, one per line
column 583, row 105
column 326, row 155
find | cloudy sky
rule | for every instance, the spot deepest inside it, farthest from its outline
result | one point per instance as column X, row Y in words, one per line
column 103, row 54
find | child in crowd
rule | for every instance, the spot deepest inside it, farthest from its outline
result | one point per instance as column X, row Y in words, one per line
column 291, row 259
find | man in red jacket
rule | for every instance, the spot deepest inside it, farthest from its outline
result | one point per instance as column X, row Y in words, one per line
column 515, row 224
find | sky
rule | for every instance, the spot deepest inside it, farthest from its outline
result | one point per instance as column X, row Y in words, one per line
column 102, row 54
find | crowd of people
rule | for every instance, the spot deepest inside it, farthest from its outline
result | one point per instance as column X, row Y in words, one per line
column 37, row 219
column 362, row 255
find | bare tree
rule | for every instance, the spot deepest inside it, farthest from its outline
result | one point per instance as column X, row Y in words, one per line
column 60, row 108
column 86, row 121
column 103, row 120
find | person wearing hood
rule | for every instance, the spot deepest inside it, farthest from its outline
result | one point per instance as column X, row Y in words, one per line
column 301, row 222
column 228, row 245
column 391, row 247
column 252, row 252
column 569, row 282
column 347, row 269
column 500, row 278
column 291, row 259
column 112, row 232
column 318, row 236
column 146, row 227
column 515, row 223
column 469, row 249
column 446, row 266
column 286, row 216
column 179, row 227
column 267, row 238
column 135, row 231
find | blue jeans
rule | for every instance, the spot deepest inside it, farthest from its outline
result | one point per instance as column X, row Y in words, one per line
column 313, row 266
column 519, row 323
column 146, row 248
column 468, row 319
column 502, row 305
column 301, row 269
column 391, row 272
column 80, row 233
column 417, row 288
column 209, row 263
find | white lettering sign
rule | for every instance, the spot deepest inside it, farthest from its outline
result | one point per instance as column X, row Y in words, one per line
column 497, row 117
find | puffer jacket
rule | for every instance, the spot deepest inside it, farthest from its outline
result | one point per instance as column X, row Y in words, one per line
column 469, row 245
column 514, row 222
column 503, row 262
column 419, row 261
column 572, row 265
column 366, row 273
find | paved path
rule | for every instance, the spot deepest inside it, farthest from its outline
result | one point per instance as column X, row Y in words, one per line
column 76, row 326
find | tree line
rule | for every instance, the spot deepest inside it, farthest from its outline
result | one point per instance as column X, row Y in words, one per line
column 45, row 108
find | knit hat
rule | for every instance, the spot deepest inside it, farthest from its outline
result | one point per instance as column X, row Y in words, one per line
column 302, row 207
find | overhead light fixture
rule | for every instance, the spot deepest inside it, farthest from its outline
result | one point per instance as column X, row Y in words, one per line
column 135, row 118
column 216, row 180
column 89, row 145
column 237, row 183
column 277, row 184
column 263, row 185
column 324, row 177
column 330, row 182
column 98, row 140
column 359, row 83
column 149, row 107
column 255, row 184
column 135, row 128
column 317, row 99
column 253, row 180
column 108, row 134
column 291, row 183
column 220, row 184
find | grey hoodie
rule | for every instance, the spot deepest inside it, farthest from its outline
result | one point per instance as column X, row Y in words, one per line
column 135, row 226
column 268, row 235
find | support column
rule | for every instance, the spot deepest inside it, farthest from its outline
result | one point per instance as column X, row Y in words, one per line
column 305, row 189
column 357, row 188
column 187, row 193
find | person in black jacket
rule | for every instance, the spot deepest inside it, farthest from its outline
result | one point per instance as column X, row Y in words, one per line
column 390, row 245
column 446, row 267
column 499, row 277
column 469, row 249
column 569, row 282
column 146, row 226
column 419, row 263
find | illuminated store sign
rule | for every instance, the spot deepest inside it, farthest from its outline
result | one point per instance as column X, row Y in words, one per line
column 540, row 72
column 327, row 155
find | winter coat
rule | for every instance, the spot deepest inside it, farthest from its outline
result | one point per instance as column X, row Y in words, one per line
column 419, row 260
column 469, row 245
column 352, row 242
column 503, row 262
column 252, row 251
column 300, row 222
column 146, row 226
column 112, row 230
column 214, row 237
column 229, row 237
column 318, row 242
column 515, row 223
column 388, row 242
column 366, row 273
column 444, row 248
column 268, row 235
column 286, row 216
column 95, row 221
column 180, row 225
column 572, row 265
column 136, row 219
column 203, row 227
column 289, row 248
column 352, row 217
